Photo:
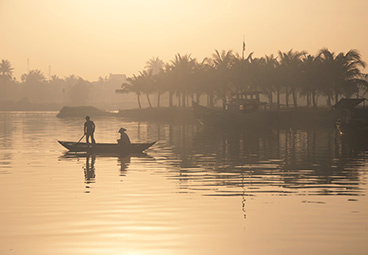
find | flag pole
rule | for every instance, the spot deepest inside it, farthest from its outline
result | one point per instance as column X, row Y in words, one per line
column 243, row 48
column 242, row 65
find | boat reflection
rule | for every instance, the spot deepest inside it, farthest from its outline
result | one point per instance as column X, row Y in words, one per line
column 123, row 162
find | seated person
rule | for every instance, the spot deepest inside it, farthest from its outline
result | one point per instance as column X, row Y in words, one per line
column 124, row 138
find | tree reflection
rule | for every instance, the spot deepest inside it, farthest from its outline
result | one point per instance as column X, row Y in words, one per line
column 315, row 161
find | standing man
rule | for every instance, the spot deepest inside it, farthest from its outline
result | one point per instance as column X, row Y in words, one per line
column 89, row 130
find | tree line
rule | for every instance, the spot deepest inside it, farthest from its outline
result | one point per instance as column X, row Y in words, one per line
column 286, row 77
column 283, row 79
column 34, row 89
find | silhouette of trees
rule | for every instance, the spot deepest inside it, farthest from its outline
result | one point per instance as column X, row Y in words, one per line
column 134, row 84
column 34, row 77
column 342, row 75
column 222, row 63
column 79, row 93
column 6, row 70
column 6, row 74
column 284, row 80
column 183, row 72
column 293, row 74
column 155, row 65
column 291, row 70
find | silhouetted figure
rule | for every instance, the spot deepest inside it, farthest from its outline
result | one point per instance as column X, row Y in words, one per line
column 89, row 170
column 89, row 130
column 124, row 138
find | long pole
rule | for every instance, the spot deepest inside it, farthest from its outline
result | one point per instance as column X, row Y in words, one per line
column 81, row 138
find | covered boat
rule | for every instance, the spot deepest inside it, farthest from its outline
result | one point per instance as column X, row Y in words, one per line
column 243, row 110
column 106, row 147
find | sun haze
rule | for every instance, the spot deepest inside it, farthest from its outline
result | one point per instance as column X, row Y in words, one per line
column 96, row 38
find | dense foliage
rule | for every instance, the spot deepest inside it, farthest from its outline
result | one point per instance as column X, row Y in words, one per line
column 283, row 79
column 291, row 75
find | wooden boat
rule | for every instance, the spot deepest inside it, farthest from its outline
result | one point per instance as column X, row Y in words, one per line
column 106, row 147
column 244, row 110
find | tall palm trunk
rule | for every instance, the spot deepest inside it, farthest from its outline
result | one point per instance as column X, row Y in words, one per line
column 170, row 99
column 295, row 99
column 224, row 101
column 308, row 99
column 149, row 101
column 210, row 100
column 278, row 99
column 270, row 99
column 158, row 99
column 139, row 101
column 197, row 98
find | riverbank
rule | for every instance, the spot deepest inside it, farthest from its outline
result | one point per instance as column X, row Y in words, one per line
column 298, row 118
column 82, row 111
column 161, row 114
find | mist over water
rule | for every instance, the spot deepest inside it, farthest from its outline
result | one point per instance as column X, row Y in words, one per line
column 197, row 191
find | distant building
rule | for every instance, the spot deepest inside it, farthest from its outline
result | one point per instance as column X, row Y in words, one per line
column 117, row 77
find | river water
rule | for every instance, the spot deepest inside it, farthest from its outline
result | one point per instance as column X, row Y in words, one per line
column 197, row 191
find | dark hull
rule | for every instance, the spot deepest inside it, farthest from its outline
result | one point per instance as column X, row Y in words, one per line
column 217, row 118
column 106, row 147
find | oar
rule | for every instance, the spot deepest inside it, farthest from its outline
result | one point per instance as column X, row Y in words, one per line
column 81, row 138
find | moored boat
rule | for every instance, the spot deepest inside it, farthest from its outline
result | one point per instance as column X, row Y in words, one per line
column 243, row 110
column 106, row 147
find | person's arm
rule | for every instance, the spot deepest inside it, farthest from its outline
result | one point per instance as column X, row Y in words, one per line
column 93, row 126
column 85, row 127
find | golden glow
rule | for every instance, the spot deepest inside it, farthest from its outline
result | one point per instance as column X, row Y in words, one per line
column 95, row 38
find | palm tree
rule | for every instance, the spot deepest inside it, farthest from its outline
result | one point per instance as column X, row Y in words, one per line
column 6, row 73
column 133, row 84
column 155, row 64
column 241, row 73
column 202, row 79
column 342, row 74
column 311, row 83
column 183, row 71
column 291, row 68
column 34, row 77
column 267, row 79
column 222, row 63
column 148, row 83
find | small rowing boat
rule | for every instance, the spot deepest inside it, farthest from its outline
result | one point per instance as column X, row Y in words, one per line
column 106, row 147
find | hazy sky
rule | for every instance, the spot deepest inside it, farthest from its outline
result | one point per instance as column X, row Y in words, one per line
column 93, row 38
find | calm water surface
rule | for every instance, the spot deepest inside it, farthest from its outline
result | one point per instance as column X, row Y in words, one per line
column 196, row 191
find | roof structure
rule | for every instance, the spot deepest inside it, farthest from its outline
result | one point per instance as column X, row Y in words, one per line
column 348, row 103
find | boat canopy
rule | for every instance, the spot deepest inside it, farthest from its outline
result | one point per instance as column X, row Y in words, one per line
column 348, row 103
